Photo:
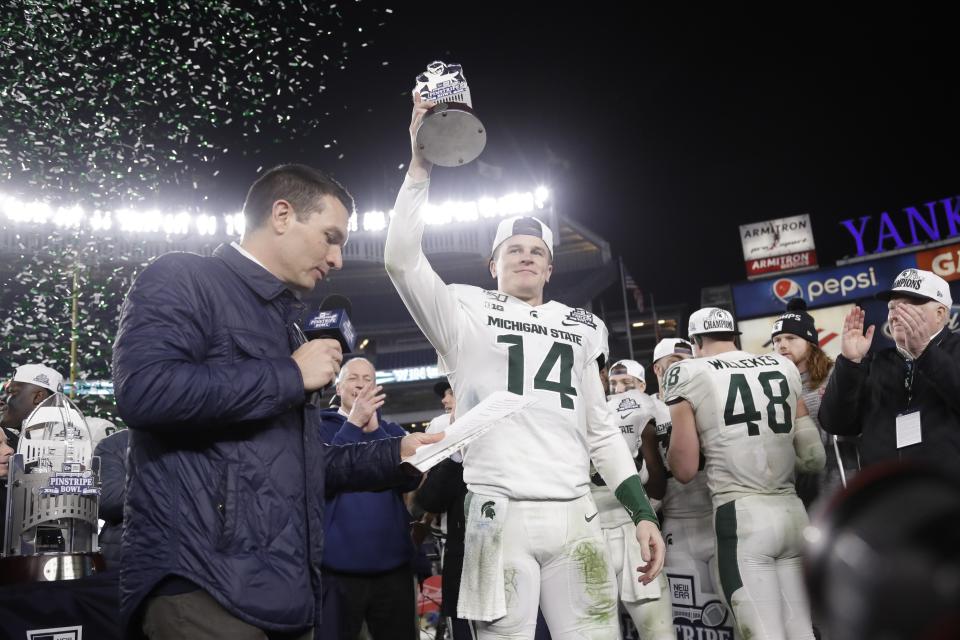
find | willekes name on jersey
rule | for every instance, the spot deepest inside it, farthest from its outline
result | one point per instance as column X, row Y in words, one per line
column 531, row 327
column 746, row 363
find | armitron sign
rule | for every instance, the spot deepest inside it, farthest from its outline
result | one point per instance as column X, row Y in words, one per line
column 778, row 246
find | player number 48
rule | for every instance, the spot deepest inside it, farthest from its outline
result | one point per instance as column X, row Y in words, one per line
column 740, row 388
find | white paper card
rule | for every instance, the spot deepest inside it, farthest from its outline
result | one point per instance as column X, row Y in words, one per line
column 908, row 429
column 488, row 413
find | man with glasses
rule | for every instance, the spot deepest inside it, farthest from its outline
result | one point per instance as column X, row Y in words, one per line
column 903, row 401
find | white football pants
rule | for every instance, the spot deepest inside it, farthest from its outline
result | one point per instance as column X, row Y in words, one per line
column 758, row 559
column 653, row 618
column 554, row 558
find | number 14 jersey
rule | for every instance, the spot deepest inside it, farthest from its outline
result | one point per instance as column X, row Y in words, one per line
column 490, row 341
column 745, row 406
column 547, row 352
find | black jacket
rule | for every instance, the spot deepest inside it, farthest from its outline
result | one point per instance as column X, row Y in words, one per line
column 113, row 478
column 866, row 398
column 443, row 492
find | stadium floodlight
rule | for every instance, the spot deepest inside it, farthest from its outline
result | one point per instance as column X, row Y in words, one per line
column 143, row 221
column 31, row 212
column 374, row 221
column 464, row 211
column 178, row 224
column 68, row 216
column 435, row 215
column 206, row 225
column 515, row 204
column 101, row 221
column 487, row 207
column 235, row 224
column 540, row 196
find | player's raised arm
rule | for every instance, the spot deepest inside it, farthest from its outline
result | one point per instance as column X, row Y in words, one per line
column 428, row 299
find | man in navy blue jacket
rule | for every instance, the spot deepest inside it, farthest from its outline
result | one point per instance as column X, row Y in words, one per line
column 223, row 516
column 368, row 576
column 112, row 452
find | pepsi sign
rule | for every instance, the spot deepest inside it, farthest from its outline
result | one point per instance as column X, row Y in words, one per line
column 821, row 288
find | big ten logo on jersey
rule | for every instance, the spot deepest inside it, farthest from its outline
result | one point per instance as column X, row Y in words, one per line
column 495, row 300
column 697, row 615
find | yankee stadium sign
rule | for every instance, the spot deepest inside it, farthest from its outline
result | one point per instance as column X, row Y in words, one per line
column 930, row 222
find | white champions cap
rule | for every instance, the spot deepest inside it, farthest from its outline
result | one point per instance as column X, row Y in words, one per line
column 633, row 368
column 672, row 346
column 920, row 284
column 523, row 226
column 40, row 375
column 710, row 320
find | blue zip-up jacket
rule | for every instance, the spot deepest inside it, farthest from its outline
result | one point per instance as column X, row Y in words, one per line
column 365, row 532
column 226, row 471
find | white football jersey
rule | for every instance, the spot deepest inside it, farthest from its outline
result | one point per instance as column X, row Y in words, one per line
column 440, row 423
column 690, row 500
column 631, row 410
column 545, row 351
column 489, row 341
column 745, row 408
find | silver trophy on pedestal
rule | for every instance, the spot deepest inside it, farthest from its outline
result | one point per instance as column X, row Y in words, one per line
column 451, row 134
column 53, row 496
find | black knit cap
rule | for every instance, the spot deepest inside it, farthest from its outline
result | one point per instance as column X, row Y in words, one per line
column 797, row 321
column 441, row 387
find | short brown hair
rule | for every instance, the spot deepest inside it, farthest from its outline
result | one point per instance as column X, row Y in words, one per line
column 300, row 185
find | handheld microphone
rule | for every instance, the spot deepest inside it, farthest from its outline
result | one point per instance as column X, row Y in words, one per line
column 332, row 321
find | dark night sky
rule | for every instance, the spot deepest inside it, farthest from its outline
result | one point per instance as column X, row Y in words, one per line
column 665, row 132
column 661, row 131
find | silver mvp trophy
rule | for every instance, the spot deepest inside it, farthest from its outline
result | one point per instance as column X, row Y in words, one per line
column 52, row 498
column 450, row 134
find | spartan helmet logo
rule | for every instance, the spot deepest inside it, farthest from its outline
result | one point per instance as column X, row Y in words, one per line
column 486, row 509
column 437, row 68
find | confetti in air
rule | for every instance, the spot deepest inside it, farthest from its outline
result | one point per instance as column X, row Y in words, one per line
column 111, row 103
column 109, row 100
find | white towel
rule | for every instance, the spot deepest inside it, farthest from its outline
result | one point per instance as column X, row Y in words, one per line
column 482, row 594
column 631, row 589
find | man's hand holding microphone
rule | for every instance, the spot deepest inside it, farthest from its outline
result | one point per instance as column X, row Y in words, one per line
column 319, row 362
